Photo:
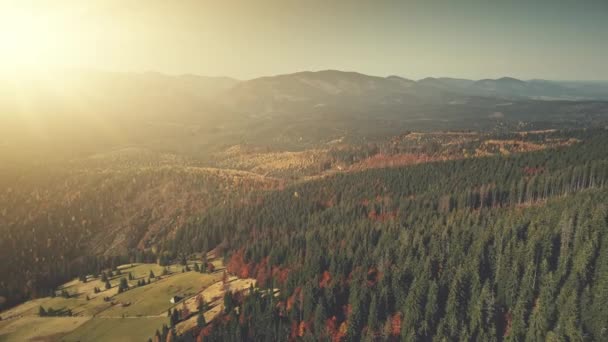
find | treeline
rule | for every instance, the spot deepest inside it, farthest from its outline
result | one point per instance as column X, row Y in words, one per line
column 503, row 248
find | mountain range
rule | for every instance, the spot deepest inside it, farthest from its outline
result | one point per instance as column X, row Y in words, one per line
column 90, row 112
column 304, row 90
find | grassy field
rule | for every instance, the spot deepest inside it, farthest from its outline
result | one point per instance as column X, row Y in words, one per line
column 133, row 315
column 214, row 297
column 153, row 300
column 116, row 329
column 39, row 328
column 79, row 292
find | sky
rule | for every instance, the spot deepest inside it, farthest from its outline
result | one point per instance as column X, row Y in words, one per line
column 549, row 39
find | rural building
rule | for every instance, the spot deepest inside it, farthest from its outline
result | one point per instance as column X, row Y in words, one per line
column 175, row 299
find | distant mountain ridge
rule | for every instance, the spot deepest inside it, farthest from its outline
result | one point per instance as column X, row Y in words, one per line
column 334, row 91
column 79, row 112
column 301, row 86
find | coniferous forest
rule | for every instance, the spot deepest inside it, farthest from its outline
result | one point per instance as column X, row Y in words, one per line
column 302, row 171
column 503, row 247
column 439, row 219
column 491, row 249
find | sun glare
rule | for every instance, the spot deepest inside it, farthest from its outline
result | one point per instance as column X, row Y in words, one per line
column 30, row 40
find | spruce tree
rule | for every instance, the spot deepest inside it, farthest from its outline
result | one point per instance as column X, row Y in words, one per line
column 200, row 320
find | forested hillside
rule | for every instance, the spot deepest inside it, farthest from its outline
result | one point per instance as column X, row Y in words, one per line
column 302, row 171
column 491, row 249
column 373, row 207
column 61, row 222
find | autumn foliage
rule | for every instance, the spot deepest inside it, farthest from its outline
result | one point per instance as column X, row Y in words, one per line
column 396, row 324
column 325, row 279
column 508, row 319
column 336, row 331
column 261, row 271
column 238, row 266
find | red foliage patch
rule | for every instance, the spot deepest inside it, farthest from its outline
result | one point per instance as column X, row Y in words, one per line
column 236, row 262
column 373, row 276
column 336, row 332
column 298, row 330
column 304, row 326
column 325, row 280
column 396, row 324
column 292, row 299
column 206, row 331
column 261, row 272
column 238, row 266
column 280, row 274
column 508, row 319
column 331, row 326
column 341, row 332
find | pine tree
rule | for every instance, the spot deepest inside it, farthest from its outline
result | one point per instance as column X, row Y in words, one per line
column 174, row 317
column 357, row 304
column 123, row 285
column 319, row 319
column 200, row 320
column 204, row 265
column 201, row 304
column 228, row 302
column 372, row 319
column 431, row 310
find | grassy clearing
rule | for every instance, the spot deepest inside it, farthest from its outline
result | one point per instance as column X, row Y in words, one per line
column 103, row 329
column 214, row 297
column 153, row 299
column 79, row 292
column 25, row 309
column 132, row 315
column 39, row 328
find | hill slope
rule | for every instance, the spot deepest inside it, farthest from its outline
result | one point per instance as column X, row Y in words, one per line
column 494, row 248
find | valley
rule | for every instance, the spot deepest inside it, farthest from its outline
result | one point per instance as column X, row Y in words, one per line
column 410, row 213
column 303, row 171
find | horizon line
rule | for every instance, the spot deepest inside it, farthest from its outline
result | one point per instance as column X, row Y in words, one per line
column 50, row 70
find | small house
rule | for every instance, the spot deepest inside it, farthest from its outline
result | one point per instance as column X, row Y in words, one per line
column 175, row 299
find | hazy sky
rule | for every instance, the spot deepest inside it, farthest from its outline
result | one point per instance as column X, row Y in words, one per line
column 550, row 39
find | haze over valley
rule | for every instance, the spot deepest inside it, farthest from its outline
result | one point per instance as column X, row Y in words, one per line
column 317, row 185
